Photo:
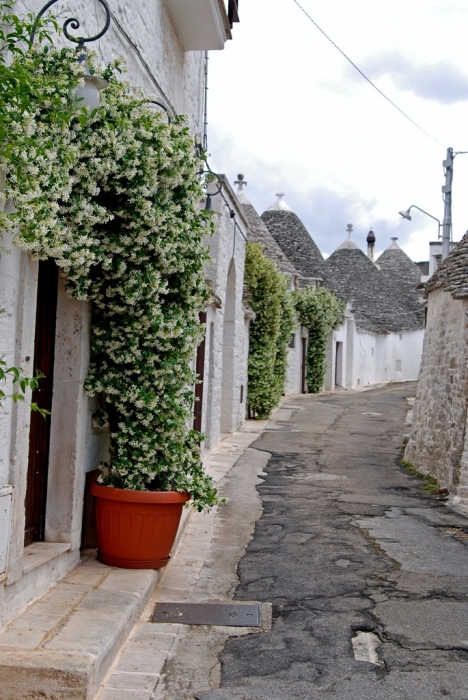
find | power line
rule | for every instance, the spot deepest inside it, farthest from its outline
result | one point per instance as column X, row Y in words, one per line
column 364, row 75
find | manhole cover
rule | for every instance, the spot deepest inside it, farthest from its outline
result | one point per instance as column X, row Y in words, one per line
column 208, row 614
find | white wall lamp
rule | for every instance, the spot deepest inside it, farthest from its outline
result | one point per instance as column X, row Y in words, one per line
column 88, row 94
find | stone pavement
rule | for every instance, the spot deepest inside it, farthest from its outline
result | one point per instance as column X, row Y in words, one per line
column 367, row 575
column 361, row 576
column 63, row 645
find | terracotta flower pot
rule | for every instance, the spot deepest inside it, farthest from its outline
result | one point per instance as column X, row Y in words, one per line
column 136, row 529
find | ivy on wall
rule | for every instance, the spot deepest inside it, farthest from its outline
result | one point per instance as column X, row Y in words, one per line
column 319, row 311
column 268, row 295
column 113, row 196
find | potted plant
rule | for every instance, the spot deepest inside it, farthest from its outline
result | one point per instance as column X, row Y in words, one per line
column 147, row 289
column 112, row 194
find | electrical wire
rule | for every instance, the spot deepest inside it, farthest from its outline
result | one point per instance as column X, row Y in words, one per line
column 232, row 213
column 145, row 65
column 364, row 75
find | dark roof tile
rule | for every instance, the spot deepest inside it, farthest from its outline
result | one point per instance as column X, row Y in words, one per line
column 452, row 273
column 293, row 238
column 375, row 301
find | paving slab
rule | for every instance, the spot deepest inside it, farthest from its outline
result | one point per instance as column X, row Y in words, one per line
column 61, row 647
column 202, row 570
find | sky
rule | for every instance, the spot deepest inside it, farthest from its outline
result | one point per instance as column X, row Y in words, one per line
column 288, row 111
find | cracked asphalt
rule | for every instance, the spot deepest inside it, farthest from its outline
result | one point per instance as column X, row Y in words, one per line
column 349, row 543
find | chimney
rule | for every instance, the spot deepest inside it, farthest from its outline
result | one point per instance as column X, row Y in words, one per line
column 370, row 244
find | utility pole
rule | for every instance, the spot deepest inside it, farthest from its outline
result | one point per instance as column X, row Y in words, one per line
column 447, row 192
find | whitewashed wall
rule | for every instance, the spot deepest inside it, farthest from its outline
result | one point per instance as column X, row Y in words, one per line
column 335, row 374
column 226, row 345
column 143, row 33
column 399, row 356
column 363, row 359
column 293, row 383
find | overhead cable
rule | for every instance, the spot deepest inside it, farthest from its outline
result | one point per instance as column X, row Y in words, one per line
column 364, row 75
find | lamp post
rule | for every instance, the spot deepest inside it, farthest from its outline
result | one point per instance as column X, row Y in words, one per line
column 406, row 215
column 88, row 94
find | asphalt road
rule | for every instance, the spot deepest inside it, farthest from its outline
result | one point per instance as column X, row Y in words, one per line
column 348, row 546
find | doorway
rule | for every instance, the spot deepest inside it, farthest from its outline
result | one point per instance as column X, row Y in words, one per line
column 200, row 372
column 339, row 365
column 39, row 435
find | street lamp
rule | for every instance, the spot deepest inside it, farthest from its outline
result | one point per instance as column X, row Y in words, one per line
column 406, row 215
column 88, row 94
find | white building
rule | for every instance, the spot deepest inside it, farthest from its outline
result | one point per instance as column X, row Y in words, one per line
column 258, row 233
column 381, row 339
column 382, row 334
column 44, row 464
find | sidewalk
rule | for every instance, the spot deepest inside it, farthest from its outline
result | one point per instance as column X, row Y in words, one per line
column 64, row 646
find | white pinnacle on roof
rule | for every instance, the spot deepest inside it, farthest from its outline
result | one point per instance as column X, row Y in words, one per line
column 393, row 245
column 348, row 243
column 240, row 194
column 280, row 204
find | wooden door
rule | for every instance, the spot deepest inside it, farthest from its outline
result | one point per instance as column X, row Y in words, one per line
column 200, row 370
column 39, row 436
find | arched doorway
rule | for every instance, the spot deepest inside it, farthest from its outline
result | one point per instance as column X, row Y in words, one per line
column 228, row 403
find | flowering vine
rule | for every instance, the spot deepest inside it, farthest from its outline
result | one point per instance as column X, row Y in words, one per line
column 113, row 196
column 319, row 311
column 268, row 295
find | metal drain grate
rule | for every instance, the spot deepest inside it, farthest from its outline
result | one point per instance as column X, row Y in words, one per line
column 220, row 614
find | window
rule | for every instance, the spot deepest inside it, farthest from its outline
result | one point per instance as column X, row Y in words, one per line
column 292, row 342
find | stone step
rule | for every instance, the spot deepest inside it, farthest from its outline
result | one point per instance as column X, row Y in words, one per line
column 61, row 647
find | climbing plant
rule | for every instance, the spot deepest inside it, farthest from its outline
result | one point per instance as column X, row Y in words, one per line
column 20, row 385
column 113, row 196
column 267, row 293
column 319, row 311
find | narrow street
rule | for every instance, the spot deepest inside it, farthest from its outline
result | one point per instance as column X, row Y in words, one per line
column 348, row 546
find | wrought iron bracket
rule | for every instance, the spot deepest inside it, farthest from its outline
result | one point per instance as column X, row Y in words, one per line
column 74, row 24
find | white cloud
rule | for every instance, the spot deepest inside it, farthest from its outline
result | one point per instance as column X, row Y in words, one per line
column 283, row 110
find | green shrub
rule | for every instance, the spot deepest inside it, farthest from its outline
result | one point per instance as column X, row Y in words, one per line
column 319, row 311
column 268, row 295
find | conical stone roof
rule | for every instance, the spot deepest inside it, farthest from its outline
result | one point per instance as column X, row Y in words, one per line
column 375, row 302
column 258, row 233
column 401, row 272
column 294, row 240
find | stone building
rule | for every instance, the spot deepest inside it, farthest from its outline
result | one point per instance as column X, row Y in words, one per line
column 381, row 337
column 41, row 500
column 438, row 443
column 224, row 352
column 294, row 240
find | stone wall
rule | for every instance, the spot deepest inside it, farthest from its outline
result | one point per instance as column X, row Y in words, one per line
column 144, row 34
column 437, row 439
column 225, row 385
